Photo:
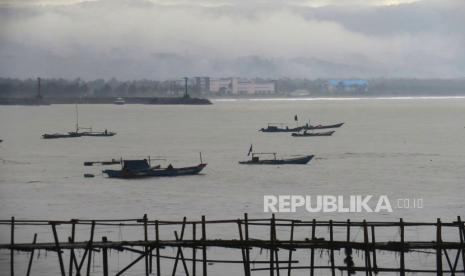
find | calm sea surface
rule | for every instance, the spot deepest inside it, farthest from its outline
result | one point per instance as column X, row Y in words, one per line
column 402, row 148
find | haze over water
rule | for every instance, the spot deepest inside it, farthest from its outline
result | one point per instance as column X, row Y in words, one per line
column 410, row 148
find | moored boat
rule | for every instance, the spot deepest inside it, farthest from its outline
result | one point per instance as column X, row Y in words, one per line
column 310, row 127
column 310, row 134
column 61, row 135
column 290, row 161
column 98, row 133
column 141, row 168
column 78, row 132
column 119, row 101
column 273, row 127
column 255, row 160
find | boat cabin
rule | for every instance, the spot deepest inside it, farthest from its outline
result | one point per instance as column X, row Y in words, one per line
column 256, row 158
column 136, row 165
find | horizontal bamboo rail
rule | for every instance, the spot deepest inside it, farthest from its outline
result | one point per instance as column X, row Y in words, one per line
column 192, row 236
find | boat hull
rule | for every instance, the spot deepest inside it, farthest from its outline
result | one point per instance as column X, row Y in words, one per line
column 98, row 134
column 300, row 128
column 328, row 133
column 296, row 129
column 61, row 135
column 291, row 161
column 157, row 172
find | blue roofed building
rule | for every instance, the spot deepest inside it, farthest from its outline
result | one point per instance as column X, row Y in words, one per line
column 348, row 85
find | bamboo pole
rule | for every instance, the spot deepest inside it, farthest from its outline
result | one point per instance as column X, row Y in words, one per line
column 12, row 242
column 438, row 249
column 71, row 254
column 204, row 247
column 272, row 245
column 146, row 248
column 402, row 244
column 349, row 261
column 367, row 252
column 373, row 241
column 58, row 249
column 241, row 238
column 89, row 252
column 462, row 237
column 157, row 239
column 194, row 249
column 331, row 239
column 291, row 239
column 105, row 258
column 179, row 253
column 312, row 250
column 31, row 257
column 247, row 250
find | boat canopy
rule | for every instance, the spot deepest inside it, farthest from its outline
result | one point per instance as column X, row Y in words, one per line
column 136, row 165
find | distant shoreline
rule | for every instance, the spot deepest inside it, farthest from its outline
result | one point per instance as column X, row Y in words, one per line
column 208, row 100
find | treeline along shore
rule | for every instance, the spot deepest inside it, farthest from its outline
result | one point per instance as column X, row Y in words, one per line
column 101, row 100
column 62, row 91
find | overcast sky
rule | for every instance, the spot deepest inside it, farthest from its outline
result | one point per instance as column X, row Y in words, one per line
column 159, row 39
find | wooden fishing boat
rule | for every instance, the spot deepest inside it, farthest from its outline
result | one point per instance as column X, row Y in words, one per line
column 310, row 127
column 141, row 168
column 61, row 135
column 98, row 133
column 310, row 134
column 301, row 160
column 78, row 133
column 278, row 127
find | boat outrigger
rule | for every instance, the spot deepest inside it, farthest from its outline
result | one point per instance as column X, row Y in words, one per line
column 142, row 168
column 310, row 134
column 103, row 163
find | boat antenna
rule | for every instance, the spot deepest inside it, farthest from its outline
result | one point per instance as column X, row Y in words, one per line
column 201, row 161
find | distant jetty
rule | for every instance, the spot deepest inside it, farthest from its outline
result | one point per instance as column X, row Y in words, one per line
column 186, row 99
column 180, row 100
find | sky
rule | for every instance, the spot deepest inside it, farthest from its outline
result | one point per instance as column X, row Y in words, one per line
column 163, row 39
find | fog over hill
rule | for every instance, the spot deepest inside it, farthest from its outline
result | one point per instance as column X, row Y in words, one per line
column 272, row 39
